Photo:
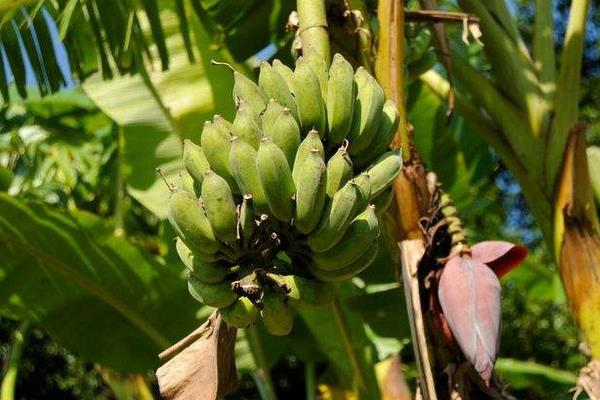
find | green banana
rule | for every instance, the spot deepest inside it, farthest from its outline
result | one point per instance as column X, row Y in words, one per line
column 275, row 87
column 304, row 291
column 383, row 201
column 361, row 233
column 186, row 182
column 310, row 191
column 338, row 214
column 222, row 124
column 341, row 95
column 363, row 183
column 188, row 257
column 311, row 142
column 195, row 161
column 219, row 295
column 319, row 66
column 368, row 111
column 384, row 170
column 208, row 272
column 245, row 89
column 185, row 254
column 285, row 72
column 191, row 223
column 246, row 125
column 311, row 105
column 286, row 135
column 384, row 136
column 245, row 171
column 241, row 314
column 276, row 314
column 219, row 205
column 246, row 221
column 276, row 179
column 351, row 270
column 268, row 119
column 339, row 171
column 216, row 144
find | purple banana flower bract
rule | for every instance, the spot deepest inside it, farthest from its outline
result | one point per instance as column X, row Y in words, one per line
column 469, row 294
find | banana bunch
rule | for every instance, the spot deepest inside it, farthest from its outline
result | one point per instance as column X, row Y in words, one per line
column 277, row 204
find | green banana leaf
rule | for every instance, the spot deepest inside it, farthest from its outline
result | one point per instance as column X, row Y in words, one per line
column 155, row 112
column 342, row 336
column 554, row 383
column 96, row 294
column 450, row 148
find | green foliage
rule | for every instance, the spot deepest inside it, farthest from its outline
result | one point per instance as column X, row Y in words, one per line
column 79, row 164
column 96, row 293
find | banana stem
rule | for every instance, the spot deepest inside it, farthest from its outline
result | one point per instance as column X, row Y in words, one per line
column 310, row 378
column 313, row 27
column 9, row 381
column 261, row 376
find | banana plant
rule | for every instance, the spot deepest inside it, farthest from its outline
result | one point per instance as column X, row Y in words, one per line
column 528, row 111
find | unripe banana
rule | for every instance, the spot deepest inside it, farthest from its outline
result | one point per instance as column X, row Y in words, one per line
column 311, row 142
column 222, row 124
column 310, row 191
column 285, row 72
column 383, row 201
column 246, row 221
column 185, row 254
column 384, row 170
column 351, row 270
column 241, row 314
column 216, row 144
column 363, row 183
column 311, row 105
column 341, row 95
column 245, row 125
column 245, row 171
column 319, row 66
column 362, row 232
column 339, row 171
column 286, row 135
column 368, row 111
column 245, row 89
column 268, row 119
column 384, row 136
column 219, row 295
column 275, row 87
column 276, row 314
column 207, row 272
column 191, row 223
column 246, row 108
column 220, row 206
column 188, row 257
column 195, row 162
column 186, row 182
column 338, row 214
column 276, row 179
column 303, row 291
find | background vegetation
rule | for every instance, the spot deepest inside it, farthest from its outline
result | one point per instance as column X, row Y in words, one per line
column 88, row 276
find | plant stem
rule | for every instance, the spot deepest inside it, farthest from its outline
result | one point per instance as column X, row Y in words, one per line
column 310, row 379
column 390, row 63
column 543, row 42
column 261, row 376
column 120, row 198
column 566, row 101
column 347, row 343
column 313, row 27
column 9, row 381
